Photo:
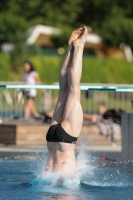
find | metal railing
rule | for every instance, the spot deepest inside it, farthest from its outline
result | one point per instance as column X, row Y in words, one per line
column 12, row 101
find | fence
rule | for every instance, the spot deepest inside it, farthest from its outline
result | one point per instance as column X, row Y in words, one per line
column 115, row 96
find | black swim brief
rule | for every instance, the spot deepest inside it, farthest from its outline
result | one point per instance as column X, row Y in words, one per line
column 57, row 134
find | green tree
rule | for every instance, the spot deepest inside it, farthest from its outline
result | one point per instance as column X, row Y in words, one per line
column 94, row 13
column 54, row 13
column 113, row 20
column 104, row 16
column 13, row 30
column 16, row 14
column 117, row 30
column 12, row 27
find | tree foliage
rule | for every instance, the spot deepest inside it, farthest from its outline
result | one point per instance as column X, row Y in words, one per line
column 12, row 27
column 111, row 19
column 118, row 30
column 17, row 15
column 55, row 12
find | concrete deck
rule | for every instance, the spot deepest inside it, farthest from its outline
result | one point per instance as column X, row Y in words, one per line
column 113, row 150
column 30, row 138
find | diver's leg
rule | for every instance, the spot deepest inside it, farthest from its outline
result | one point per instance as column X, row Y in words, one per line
column 63, row 80
column 73, row 115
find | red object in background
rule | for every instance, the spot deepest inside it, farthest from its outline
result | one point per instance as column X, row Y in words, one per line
column 109, row 159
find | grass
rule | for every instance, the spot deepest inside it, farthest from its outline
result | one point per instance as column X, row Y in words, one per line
column 94, row 70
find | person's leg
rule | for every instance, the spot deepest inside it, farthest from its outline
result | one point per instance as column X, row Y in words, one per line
column 73, row 115
column 63, row 81
column 48, row 113
column 27, row 109
column 30, row 108
column 33, row 108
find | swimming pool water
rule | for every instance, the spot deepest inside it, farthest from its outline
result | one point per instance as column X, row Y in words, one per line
column 20, row 179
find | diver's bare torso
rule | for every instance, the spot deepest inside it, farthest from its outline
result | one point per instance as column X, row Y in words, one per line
column 61, row 157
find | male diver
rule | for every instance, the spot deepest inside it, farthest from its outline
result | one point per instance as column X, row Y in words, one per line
column 67, row 118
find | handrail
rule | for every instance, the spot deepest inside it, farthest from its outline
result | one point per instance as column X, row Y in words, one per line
column 82, row 87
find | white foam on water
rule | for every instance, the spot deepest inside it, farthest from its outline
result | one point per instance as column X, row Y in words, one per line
column 70, row 180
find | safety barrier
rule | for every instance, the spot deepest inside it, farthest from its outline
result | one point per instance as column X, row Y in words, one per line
column 12, row 101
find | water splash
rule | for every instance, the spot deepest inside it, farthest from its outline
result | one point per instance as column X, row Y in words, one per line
column 67, row 180
column 90, row 171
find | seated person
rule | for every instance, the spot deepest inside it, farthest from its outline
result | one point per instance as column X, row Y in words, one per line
column 111, row 114
column 108, row 121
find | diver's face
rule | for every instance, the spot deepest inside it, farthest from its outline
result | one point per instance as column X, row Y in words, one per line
column 26, row 67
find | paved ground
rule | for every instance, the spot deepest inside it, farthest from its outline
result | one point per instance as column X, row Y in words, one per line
column 113, row 150
column 21, row 121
